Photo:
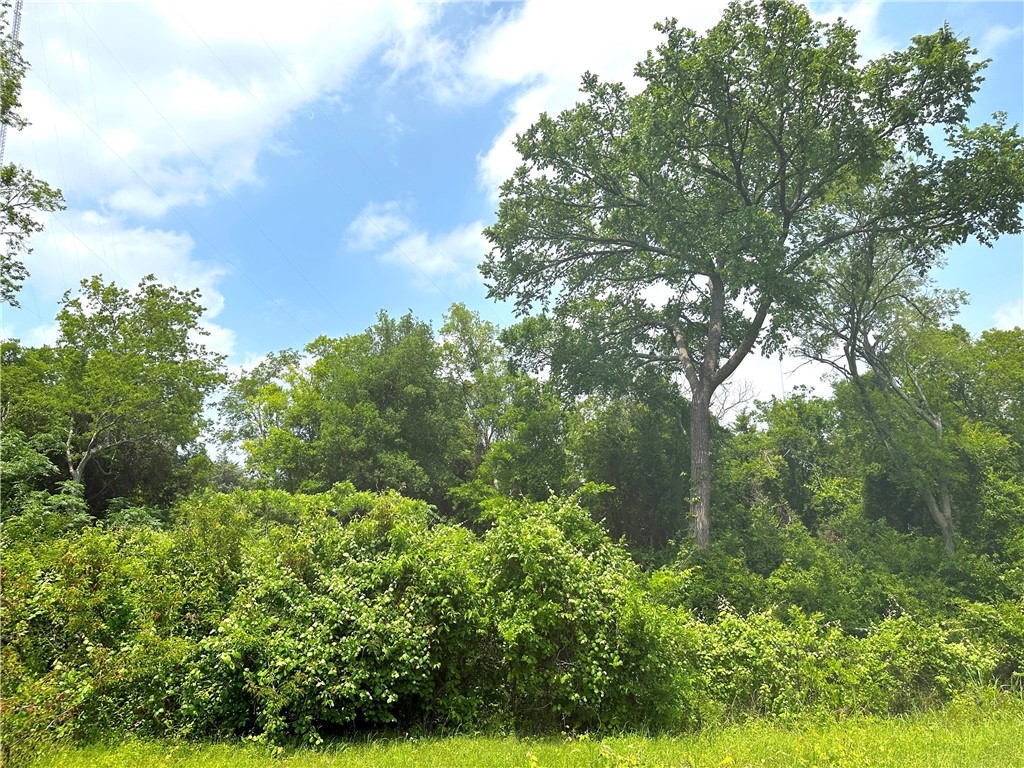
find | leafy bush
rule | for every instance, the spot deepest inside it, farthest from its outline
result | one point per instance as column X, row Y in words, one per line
column 284, row 616
column 580, row 644
column 998, row 626
column 903, row 664
column 766, row 665
column 762, row 665
column 369, row 623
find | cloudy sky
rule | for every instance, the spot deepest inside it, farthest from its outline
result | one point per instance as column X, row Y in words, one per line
column 306, row 164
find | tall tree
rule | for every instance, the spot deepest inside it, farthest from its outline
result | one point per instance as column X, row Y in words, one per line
column 680, row 226
column 22, row 195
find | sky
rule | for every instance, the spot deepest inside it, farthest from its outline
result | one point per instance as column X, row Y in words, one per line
column 308, row 164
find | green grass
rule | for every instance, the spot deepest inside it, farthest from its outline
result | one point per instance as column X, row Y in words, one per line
column 966, row 734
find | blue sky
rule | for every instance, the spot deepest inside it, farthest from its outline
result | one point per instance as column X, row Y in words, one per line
column 307, row 164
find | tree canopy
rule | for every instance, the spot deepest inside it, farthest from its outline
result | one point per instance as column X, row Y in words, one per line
column 128, row 374
column 372, row 408
column 681, row 225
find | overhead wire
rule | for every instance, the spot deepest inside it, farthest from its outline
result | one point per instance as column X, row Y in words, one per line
column 78, row 240
column 99, row 132
column 223, row 187
column 220, row 254
column 60, row 154
column 86, row 153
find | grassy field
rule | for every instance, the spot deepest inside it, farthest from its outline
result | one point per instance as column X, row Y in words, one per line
column 964, row 735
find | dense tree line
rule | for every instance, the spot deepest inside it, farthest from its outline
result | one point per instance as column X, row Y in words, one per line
column 475, row 526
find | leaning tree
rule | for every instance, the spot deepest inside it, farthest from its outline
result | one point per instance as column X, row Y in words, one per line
column 680, row 225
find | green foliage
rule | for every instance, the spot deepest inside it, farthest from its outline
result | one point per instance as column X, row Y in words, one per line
column 86, row 633
column 753, row 153
column 528, row 459
column 766, row 665
column 41, row 515
column 288, row 616
column 373, row 409
column 121, row 393
column 998, row 625
column 314, row 600
column 369, row 623
column 638, row 445
column 581, row 646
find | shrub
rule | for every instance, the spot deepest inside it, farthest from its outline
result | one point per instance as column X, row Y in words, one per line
column 762, row 665
column 903, row 664
column 370, row 623
column 766, row 665
column 580, row 645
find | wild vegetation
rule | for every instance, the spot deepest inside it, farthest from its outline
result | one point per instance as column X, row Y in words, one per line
column 413, row 531
column 979, row 734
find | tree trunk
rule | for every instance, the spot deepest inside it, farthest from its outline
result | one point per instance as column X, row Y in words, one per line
column 77, row 469
column 700, row 466
column 704, row 380
column 942, row 515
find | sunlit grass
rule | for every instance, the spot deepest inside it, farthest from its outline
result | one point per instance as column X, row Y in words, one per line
column 964, row 735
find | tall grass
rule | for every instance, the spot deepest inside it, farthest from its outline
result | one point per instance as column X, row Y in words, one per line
column 966, row 734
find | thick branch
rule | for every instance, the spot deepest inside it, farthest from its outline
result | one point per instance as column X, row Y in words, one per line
column 745, row 346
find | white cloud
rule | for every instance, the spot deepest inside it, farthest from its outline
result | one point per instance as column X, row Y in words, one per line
column 544, row 49
column 996, row 36
column 452, row 254
column 862, row 15
column 499, row 162
column 40, row 335
column 429, row 59
column 137, row 109
column 377, row 223
column 143, row 107
column 1009, row 315
column 770, row 377
column 247, row 365
column 217, row 338
column 387, row 229
column 77, row 244
column 657, row 294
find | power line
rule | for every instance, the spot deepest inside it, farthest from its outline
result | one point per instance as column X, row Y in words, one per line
column 348, row 145
column 80, row 114
column 60, row 153
column 341, row 189
column 15, row 33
